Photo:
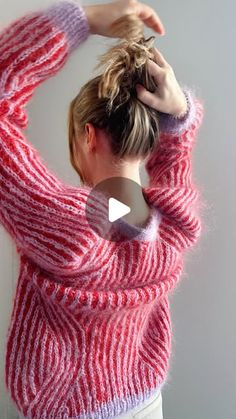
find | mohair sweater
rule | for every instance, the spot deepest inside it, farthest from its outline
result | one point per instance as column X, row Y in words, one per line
column 90, row 332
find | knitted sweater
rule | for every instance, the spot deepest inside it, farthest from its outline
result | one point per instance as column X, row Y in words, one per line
column 90, row 332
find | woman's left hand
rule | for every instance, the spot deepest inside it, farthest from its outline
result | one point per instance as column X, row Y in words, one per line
column 100, row 17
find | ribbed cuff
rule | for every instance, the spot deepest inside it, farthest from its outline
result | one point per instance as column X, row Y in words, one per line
column 173, row 125
column 70, row 17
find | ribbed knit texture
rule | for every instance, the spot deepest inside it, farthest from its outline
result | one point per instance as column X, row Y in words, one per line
column 90, row 332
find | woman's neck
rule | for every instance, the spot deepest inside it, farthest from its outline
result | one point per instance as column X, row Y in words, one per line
column 123, row 183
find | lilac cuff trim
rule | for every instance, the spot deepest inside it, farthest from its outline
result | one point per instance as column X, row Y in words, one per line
column 173, row 125
column 70, row 17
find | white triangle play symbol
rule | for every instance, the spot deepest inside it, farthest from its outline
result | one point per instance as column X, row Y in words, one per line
column 117, row 210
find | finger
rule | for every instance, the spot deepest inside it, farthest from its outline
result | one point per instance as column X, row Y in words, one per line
column 147, row 97
column 159, row 58
column 150, row 18
column 154, row 69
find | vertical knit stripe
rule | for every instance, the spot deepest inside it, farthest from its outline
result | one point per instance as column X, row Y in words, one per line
column 90, row 332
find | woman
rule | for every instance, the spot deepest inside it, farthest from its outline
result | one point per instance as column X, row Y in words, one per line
column 90, row 332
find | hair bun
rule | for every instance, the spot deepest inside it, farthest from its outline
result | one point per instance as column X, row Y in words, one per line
column 125, row 63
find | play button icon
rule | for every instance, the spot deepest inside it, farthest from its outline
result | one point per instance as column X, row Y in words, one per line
column 113, row 207
column 117, row 210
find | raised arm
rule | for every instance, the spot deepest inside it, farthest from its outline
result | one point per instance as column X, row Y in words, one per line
column 42, row 214
column 32, row 49
column 172, row 188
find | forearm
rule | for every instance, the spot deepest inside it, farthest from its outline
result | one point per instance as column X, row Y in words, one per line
column 175, row 126
column 36, row 46
column 70, row 17
column 177, row 138
column 171, row 186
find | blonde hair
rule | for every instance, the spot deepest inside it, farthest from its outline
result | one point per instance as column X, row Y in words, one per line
column 109, row 101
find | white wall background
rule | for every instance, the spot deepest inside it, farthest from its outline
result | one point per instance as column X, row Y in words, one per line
column 200, row 45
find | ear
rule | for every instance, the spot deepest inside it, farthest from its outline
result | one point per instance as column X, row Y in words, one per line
column 91, row 136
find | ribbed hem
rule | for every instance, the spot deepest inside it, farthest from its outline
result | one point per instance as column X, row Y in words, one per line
column 114, row 409
column 174, row 125
column 70, row 17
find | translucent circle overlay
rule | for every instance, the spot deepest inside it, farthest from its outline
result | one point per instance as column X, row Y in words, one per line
column 98, row 218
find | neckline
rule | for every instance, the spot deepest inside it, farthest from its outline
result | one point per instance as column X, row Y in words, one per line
column 147, row 233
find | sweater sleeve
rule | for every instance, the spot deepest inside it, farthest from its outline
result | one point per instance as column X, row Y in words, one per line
column 43, row 215
column 171, row 185
column 35, row 47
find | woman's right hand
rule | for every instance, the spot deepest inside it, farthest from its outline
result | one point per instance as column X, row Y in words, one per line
column 168, row 96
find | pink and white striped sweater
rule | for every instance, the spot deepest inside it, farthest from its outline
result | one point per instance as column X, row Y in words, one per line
column 90, row 332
